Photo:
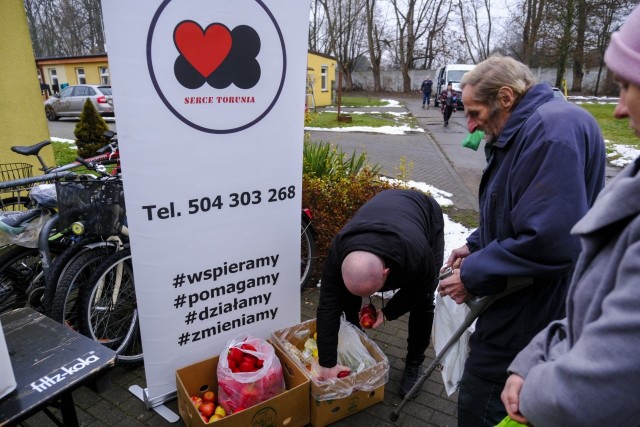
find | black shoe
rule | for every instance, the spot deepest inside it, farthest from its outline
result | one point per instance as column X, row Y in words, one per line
column 446, row 123
column 412, row 372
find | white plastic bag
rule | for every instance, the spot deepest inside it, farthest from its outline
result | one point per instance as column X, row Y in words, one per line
column 448, row 317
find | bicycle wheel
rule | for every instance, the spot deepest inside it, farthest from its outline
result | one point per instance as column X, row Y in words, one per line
column 18, row 267
column 108, row 310
column 77, row 270
column 307, row 253
column 19, row 203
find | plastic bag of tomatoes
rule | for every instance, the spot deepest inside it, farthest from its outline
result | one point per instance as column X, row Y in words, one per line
column 249, row 372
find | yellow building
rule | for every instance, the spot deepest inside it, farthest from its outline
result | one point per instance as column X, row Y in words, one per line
column 321, row 79
column 22, row 118
column 57, row 73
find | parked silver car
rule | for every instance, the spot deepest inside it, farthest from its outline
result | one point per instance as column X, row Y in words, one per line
column 71, row 99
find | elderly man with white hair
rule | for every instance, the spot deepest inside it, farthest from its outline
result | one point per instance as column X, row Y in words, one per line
column 395, row 241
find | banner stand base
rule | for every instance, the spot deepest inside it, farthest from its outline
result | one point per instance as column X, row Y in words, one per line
column 157, row 403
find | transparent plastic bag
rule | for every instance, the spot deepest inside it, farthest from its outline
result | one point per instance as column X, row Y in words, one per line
column 351, row 351
column 27, row 234
column 369, row 379
column 241, row 390
column 44, row 195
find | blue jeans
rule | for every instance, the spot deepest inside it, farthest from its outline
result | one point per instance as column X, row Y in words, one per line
column 426, row 97
column 479, row 403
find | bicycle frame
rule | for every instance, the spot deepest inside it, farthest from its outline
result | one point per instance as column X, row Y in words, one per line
column 63, row 171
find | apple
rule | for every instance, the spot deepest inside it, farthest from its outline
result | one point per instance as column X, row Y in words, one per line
column 220, row 411
column 368, row 316
column 369, row 309
column 367, row 321
column 207, row 409
column 197, row 401
column 343, row 374
column 208, row 396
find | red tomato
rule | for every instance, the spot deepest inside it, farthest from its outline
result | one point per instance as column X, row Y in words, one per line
column 250, row 396
column 246, row 346
column 259, row 363
column 206, row 409
column 236, row 354
column 232, row 363
column 247, row 365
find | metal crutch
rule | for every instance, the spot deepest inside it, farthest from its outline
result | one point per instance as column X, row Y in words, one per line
column 476, row 306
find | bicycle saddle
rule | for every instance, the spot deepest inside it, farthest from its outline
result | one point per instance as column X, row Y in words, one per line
column 29, row 150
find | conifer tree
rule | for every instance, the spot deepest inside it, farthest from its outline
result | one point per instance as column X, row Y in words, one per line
column 89, row 131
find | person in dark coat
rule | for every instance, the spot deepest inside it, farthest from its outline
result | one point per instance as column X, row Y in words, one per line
column 395, row 241
column 448, row 102
column 584, row 370
column 425, row 88
column 546, row 167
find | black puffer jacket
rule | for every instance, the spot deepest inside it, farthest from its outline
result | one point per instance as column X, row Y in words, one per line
column 404, row 227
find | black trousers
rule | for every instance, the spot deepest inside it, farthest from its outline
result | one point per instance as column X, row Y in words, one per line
column 448, row 110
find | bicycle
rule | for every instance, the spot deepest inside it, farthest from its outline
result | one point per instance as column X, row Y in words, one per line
column 308, row 255
column 109, row 310
column 26, row 271
column 12, row 172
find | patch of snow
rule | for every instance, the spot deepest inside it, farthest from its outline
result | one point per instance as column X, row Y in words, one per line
column 387, row 130
column 627, row 154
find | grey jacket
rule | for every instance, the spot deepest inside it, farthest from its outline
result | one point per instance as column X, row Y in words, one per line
column 584, row 370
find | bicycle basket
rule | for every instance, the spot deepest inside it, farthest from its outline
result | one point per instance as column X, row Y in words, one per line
column 15, row 171
column 98, row 204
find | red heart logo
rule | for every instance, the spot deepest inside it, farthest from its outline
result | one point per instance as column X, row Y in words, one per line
column 206, row 49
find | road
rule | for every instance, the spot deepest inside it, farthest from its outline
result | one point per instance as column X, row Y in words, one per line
column 64, row 127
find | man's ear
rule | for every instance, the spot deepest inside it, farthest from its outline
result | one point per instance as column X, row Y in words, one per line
column 386, row 272
column 506, row 97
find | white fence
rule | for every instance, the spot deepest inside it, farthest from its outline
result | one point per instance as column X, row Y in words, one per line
column 391, row 80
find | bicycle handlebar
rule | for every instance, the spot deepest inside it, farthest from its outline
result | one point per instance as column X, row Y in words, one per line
column 35, row 179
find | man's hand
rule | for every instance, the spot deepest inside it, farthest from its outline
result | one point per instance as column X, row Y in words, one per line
column 324, row 374
column 453, row 287
column 511, row 398
column 458, row 254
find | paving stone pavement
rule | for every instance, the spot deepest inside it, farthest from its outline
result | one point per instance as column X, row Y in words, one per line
column 438, row 160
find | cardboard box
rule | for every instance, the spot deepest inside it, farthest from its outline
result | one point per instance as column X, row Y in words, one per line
column 290, row 408
column 329, row 410
column 325, row 412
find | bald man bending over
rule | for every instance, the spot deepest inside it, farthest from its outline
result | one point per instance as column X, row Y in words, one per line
column 395, row 241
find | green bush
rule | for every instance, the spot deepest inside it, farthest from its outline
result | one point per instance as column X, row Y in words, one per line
column 334, row 187
column 323, row 159
column 333, row 200
column 89, row 131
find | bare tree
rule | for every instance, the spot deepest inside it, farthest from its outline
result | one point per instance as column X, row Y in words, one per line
column 533, row 11
column 436, row 24
column 578, row 50
column 608, row 16
column 476, row 27
column 413, row 17
column 65, row 27
column 375, row 30
column 346, row 33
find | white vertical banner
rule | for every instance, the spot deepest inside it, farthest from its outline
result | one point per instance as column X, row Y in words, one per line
column 209, row 103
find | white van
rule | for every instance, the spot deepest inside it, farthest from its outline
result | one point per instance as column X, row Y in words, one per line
column 450, row 73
